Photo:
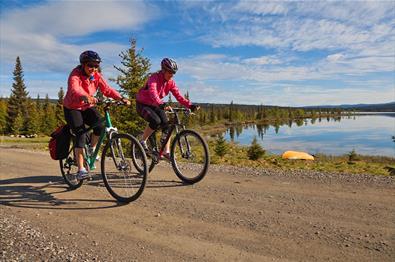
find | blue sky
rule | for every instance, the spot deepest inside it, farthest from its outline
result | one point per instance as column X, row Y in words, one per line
column 250, row 52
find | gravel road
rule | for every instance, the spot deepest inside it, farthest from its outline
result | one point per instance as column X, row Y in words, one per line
column 234, row 214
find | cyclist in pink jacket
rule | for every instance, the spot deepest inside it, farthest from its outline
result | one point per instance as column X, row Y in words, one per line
column 150, row 105
column 79, row 101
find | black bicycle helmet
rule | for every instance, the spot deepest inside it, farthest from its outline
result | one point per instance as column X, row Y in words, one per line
column 169, row 65
column 89, row 56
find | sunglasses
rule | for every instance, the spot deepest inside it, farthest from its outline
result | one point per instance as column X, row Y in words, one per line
column 92, row 65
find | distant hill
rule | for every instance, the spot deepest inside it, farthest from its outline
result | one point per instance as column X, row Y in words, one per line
column 385, row 107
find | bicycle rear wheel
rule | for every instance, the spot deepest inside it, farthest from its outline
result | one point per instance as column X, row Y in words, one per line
column 152, row 156
column 189, row 156
column 122, row 180
column 69, row 169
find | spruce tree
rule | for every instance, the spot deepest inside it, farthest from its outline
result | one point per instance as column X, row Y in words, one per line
column 3, row 115
column 255, row 151
column 17, row 124
column 231, row 111
column 212, row 114
column 220, row 146
column 48, row 122
column 170, row 101
column 34, row 119
column 59, row 108
column 17, row 104
column 134, row 72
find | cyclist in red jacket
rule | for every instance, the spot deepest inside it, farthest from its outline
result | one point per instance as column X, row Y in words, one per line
column 79, row 101
column 149, row 103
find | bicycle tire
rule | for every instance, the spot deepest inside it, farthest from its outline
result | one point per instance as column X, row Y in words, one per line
column 123, row 182
column 151, row 144
column 69, row 169
column 189, row 145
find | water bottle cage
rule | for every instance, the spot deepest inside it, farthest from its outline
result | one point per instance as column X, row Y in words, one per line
column 111, row 129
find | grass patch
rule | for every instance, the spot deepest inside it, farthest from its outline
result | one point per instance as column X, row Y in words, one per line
column 237, row 155
column 36, row 143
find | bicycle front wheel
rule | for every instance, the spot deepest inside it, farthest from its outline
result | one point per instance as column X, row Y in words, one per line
column 189, row 156
column 122, row 180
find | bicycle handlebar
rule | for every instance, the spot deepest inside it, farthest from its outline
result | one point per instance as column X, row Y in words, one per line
column 108, row 102
column 175, row 110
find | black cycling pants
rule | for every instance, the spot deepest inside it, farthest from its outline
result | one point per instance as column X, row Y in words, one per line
column 154, row 115
column 77, row 119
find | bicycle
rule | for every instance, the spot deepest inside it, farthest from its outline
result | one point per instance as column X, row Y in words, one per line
column 123, row 182
column 189, row 154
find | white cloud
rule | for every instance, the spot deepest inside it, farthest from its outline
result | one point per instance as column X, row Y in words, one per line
column 258, row 7
column 357, row 27
column 263, row 60
column 76, row 18
column 37, row 34
column 335, row 57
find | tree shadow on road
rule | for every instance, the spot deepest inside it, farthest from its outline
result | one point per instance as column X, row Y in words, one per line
column 22, row 192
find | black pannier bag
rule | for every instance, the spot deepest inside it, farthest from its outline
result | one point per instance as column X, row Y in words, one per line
column 59, row 144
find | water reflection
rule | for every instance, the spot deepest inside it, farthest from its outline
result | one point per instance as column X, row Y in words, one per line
column 366, row 134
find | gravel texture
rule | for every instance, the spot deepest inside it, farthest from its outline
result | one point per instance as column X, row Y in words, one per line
column 20, row 241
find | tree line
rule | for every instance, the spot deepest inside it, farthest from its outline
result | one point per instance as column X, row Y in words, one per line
column 21, row 114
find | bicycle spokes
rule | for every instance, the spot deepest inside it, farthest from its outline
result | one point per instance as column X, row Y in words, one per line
column 189, row 156
column 122, row 179
column 68, row 168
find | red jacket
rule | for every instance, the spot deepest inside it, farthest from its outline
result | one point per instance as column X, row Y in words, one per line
column 157, row 88
column 79, row 85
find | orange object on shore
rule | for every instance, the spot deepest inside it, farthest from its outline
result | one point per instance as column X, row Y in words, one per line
column 297, row 155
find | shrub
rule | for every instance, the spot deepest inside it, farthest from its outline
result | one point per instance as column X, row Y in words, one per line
column 352, row 156
column 220, row 146
column 255, row 151
column 391, row 170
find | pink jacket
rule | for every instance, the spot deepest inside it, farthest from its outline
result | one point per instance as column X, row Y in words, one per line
column 157, row 88
column 80, row 85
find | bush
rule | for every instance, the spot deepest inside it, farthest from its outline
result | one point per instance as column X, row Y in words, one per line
column 220, row 146
column 255, row 151
column 353, row 156
column 391, row 170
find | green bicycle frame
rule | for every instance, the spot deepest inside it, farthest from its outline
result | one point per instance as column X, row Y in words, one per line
column 108, row 127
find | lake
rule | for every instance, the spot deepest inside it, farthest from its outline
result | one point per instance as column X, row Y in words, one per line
column 366, row 134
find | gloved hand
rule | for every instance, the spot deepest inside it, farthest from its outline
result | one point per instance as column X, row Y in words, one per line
column 162, row 106
column 194, row 108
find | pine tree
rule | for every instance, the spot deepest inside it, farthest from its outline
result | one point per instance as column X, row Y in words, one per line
column 255, row 151
column 59, row 108
column 17, row 124
column 212, row 114
column 3, row 115
column 231, row 112
column 220, row 146
column 48, row 122
column 17, row 104
column 170, row 101
column 34, row 119
column 32, row 122
column 133, row 75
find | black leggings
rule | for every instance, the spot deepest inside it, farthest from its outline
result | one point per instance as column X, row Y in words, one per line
column 154, row 115
column 77, row 120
